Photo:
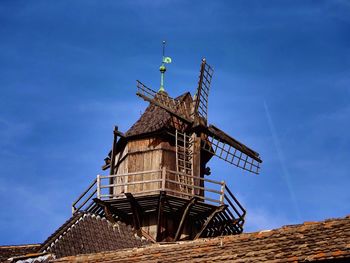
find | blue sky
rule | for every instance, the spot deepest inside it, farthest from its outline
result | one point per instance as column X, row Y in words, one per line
column 281, row 85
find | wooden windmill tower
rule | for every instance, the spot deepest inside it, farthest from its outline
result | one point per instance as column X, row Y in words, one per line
column 157, row 179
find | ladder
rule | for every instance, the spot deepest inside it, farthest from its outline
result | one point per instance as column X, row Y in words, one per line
column 184, row 161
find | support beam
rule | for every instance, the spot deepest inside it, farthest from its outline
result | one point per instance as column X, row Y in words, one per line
column 117, row 146
column 148, row 236
column 136, row 211
column 109, row 214
column 185, row 213
column 209, row 219
column 160, row 215
column 170, row 206
column 110, row 211
column 113, row 153
column 118, row 133
column 115, row 138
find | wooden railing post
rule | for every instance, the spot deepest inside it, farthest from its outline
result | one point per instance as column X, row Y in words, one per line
column 163, row 178
column 222, row 196
column 98, row 180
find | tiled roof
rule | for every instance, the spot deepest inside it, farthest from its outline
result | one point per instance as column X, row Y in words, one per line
column 61, row 230
column 89, row 233
column 153, row 119
column 18, row 250
column 314, row 241
column 32, row 258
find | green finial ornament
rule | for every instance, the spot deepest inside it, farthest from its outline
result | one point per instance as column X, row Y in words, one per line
column 162, row 68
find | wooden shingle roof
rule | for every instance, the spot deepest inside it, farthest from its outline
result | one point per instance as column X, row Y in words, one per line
column 153, row 119
column 327, row 241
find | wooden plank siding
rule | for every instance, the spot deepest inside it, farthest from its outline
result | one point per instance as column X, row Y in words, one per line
column 152, row 154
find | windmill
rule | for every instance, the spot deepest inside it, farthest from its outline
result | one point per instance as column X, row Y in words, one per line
column 213, row 140
column 157, row 169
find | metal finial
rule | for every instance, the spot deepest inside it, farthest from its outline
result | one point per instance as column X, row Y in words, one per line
column 162, row 68
column 164, row 42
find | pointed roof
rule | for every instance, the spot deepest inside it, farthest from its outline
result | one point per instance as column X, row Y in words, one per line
column 154, row 119
column 89, row 233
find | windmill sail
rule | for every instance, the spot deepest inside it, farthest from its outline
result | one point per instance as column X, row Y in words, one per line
column 201, row 101
column 161, row 99
column 227, row 148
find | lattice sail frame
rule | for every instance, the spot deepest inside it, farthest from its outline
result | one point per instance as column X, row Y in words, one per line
column 202, row 94
column 230, row 150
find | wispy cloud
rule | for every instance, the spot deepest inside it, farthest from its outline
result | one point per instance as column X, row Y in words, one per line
column 285, row 174
column 262, row 219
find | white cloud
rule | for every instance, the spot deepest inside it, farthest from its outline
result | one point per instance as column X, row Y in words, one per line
column 261, row 219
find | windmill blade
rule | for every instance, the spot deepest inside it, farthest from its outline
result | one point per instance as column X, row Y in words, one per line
column 227, row 148
column 162, row 100
column 201, row 101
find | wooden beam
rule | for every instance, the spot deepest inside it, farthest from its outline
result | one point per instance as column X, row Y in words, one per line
column 115, row 138
column 147, row 236
column 119, row 133
column 108, row 214
column 106, row 165
column 119, row 146
column 168, row 109
column 233, row 142
column 209, row 219
column 136, row 211
column 185, row 213
column 110, row 211
column 112, row 160
column 160, row 215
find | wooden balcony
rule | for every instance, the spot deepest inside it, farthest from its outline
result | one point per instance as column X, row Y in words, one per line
column 173, row 183
column 208, row 202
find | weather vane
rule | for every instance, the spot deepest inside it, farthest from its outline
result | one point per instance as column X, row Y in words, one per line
column 162, row 68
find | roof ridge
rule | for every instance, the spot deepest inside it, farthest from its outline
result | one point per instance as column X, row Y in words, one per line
column 62, row 229
column 20, row 245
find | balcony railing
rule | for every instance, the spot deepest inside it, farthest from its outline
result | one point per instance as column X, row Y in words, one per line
column 84, row 200
column 107, row 187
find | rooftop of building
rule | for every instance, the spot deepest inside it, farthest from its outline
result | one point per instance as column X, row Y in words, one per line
column 327, row 241
column 310, row 241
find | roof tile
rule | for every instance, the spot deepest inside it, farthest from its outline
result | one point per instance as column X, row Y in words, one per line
column 304, row 242
column 88, row 233
column 18, row 250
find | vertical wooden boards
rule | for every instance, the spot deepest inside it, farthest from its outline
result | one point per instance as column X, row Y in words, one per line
column 150, row 154
column 143, row 155
column 196, row 165
column 169, row 162
column 121, row 168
